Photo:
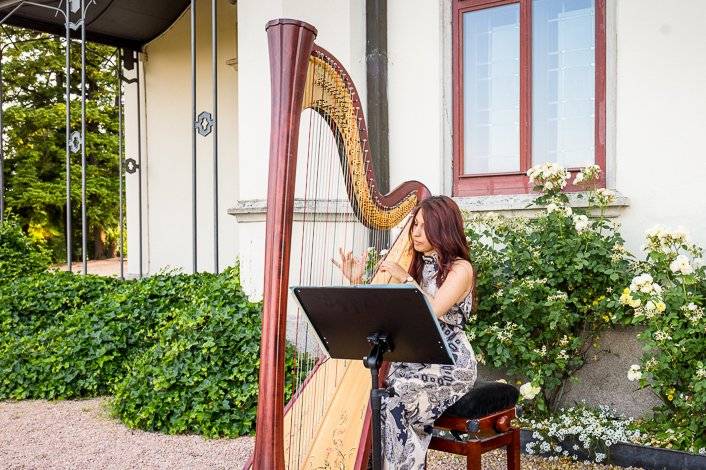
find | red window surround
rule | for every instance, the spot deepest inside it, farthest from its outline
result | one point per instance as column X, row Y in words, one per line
column 517, row 183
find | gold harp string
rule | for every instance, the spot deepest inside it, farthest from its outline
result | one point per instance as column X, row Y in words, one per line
column 298, row 370
column 304, row 423
column 332, row 96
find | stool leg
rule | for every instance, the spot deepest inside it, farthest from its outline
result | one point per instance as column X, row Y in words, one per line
column 473, row 456
column 513, row 451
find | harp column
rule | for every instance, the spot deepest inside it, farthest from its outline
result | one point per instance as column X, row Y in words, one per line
column 290, row 45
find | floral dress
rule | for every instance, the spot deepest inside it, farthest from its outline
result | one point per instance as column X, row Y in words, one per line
column 420, row 393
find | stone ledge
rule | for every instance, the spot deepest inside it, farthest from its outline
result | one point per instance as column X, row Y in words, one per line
column 517, row 204
column 255, row 210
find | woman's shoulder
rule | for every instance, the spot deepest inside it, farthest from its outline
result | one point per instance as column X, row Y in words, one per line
column 462, row 266
column 462, row 270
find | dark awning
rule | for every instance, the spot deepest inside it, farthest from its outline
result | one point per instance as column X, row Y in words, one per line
column 122, row 23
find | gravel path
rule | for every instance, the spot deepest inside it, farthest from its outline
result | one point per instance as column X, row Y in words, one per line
column 80, row 434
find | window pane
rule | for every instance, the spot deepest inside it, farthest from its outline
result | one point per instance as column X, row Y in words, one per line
column 563, row 82
column 491, row 86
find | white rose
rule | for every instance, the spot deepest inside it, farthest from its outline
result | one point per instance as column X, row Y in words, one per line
column 529, row 391
column 551, row 207
column 634, row 373
column 581, row 223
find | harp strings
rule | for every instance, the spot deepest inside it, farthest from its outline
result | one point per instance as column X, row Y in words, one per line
column 326, row 221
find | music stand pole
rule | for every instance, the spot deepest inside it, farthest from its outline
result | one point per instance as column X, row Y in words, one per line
column 381, row 344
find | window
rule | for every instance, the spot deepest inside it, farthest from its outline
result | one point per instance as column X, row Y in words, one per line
column 529, row 87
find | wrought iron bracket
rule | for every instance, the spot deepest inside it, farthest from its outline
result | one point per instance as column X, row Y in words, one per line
column 75, row 141
column 131, row 166
column 204, row 123
column 127, row 80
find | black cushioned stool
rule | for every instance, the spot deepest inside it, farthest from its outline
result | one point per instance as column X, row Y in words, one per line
column 484, row 416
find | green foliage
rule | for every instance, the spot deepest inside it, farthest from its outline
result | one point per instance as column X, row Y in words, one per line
column 34, row 303
column 179, row 352
column 668, row 298
column 35, row 141
column 19, row 254
column 547, row 286
column 201, row 375
column 80, row 345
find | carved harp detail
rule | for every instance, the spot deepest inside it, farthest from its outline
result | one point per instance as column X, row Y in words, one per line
column 325, row 425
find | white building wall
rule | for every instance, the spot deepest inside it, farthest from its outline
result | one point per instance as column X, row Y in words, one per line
column 166, row 146
column 418, row 108
column 656, row 95
column 661, row 116
column 656, row 116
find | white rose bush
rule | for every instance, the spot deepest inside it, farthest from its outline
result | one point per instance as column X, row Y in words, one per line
column 668, row 298
column 550, row 284
column 547, row 286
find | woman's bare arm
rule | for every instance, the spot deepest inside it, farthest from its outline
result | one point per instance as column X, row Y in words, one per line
column 455, row 287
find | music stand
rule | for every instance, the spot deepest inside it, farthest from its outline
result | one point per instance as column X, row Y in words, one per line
column 372, row 321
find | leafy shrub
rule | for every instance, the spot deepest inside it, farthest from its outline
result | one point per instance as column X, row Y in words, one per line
column 201, row 375
column 668, row 297
column 545, row 285
column 19, row 254
column 83, row 351
column 33, row 303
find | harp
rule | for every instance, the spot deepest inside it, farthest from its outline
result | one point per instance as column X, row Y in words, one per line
column 321, row 196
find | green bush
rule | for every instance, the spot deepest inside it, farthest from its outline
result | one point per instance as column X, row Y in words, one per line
column 668, row 298
column 79, row 346
column 179, row 352
column 547, row 286
column 31, row 304
column 19, row 254
column 201, row 375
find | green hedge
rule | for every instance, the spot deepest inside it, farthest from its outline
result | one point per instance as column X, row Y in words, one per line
column 78, row 345
column 201, row 373
column 180, row 353
column 31, row 304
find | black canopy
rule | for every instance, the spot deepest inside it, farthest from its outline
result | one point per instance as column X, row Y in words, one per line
column 123, row 23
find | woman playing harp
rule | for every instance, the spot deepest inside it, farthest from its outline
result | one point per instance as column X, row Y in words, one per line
column 321, row 195
column 420, row 393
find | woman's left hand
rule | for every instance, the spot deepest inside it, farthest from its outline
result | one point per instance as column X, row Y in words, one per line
column 394, row 270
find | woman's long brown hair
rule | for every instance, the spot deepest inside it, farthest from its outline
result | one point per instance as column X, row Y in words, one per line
column 443, row 226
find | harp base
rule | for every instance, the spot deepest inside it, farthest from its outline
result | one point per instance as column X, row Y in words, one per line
column 381, row 344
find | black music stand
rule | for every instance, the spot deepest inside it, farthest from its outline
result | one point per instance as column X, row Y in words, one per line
column 370, row 321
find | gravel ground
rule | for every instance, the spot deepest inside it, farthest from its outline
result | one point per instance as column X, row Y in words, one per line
column 80, row 434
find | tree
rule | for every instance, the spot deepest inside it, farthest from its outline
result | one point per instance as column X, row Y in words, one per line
column 35, row 138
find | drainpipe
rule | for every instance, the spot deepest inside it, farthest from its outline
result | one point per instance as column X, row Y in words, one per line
column 376, row 74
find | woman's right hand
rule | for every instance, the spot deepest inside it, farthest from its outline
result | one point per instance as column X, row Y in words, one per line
column 351, row 267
